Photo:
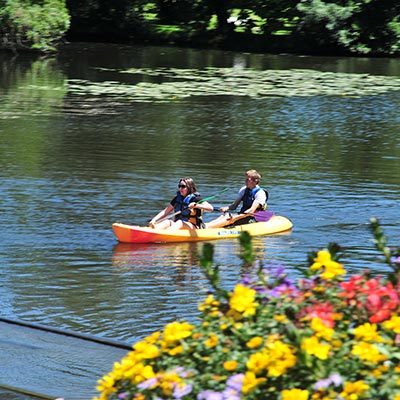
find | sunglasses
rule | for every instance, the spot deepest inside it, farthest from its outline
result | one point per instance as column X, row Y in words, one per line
column 182, row 186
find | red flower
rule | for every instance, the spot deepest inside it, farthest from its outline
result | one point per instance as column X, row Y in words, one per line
column 351, row 287
column 324, row 311
column 379, row 301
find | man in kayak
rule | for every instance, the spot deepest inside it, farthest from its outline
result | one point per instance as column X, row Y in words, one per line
column 253, row 197
column 187, row 206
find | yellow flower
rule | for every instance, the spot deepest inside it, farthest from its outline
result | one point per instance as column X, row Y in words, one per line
column 167, row 388
column 280, row 318
column 142, row 372
column 254, row 342
column 168, row 382
column 295, row 394
column 243, row 300
column 211, row 342
column 368, row 352
column 257, row 362
column 323, row 257
column 210, row 304
column 379, row 371
column 352, row 390
column 145, row 350
column 367, row 332
column 330, row 269
column 197, row 335
column 176, row 331
column 106, row 385
column 153, row 337
column 230, row 365
column 250, row 382
column 337, row 344
column 176, row 350
column 321, row 330
column 393, row 324
column 312, row 346
column 280, row 357
column 277, row 357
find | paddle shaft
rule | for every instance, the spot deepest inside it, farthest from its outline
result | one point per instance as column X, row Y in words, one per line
column 259, row 216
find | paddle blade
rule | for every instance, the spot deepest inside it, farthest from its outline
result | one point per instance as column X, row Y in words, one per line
column 263, row 216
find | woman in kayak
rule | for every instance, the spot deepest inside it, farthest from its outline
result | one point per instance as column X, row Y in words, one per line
column 187, row 206
column 253, row 198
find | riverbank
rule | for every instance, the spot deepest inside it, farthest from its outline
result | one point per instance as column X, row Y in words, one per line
column 231, row 41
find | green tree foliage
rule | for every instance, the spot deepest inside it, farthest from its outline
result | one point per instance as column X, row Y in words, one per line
column 364, row 27
column 35, row 25
column 347, row 26
column 276, row 16
column 318, row 26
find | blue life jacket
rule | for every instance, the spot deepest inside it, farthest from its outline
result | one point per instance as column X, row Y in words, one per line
column 181, row 204
column 249, row 196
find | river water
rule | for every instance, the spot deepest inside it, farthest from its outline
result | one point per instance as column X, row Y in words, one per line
column 102, row 133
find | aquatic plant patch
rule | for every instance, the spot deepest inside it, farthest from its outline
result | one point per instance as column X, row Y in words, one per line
column 169, row 84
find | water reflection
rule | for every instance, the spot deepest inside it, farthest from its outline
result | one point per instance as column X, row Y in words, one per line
column 181, row 255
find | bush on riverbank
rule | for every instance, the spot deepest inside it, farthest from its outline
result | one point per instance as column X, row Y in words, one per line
column 30, row 25
column 320, row 338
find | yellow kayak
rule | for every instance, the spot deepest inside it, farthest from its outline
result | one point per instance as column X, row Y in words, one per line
column 139, row 234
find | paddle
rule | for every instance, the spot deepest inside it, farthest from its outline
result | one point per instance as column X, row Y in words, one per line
column 263, row 216
column 201, row 201
column 167, row 217
column 259, row 216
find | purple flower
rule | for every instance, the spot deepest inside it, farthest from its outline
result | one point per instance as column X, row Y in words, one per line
column 181, row 389
column 148, row 383
column 260, row 289
column 396, row 260
column 278, row 272
column 285, row 286
column 231, row 394
column 235, row 382
column 210, row 395
column 334, row 379
column 246, row 280
column 322, row 384
column 123, row 396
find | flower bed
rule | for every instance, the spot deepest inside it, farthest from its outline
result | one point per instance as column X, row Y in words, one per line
column 322, row 337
